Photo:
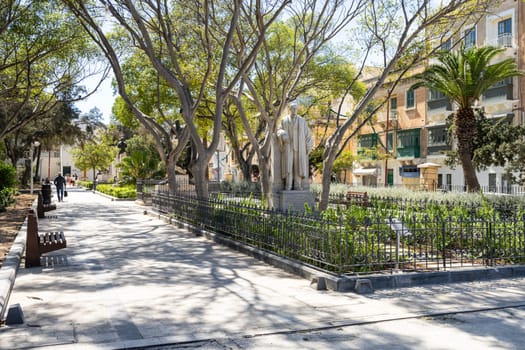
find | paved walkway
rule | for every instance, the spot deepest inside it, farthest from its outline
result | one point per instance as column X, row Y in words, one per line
column 128, row 280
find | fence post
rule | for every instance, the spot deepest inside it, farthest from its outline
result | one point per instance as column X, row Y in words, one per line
column 444, row 242
column 397, row 248
column 140, row 187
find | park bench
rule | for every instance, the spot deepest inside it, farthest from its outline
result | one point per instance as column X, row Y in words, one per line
column 42, row 208
column 38, row 243
column 357, row 198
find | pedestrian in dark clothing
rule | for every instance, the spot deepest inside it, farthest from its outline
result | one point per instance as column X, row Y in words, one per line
column 60, row 183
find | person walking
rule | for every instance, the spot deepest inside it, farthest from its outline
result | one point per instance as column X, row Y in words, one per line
column 60, row 183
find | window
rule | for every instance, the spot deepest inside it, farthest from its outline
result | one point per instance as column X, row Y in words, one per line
column 470, row 38
column 505, row 33
column 407, row 143
column 446, row 45
column 367, row 141
column 390, row 141
column 504, row 82
column 393, row 103
column 410, row 99
column 408, row 138
column 437, row 136
column 501, row 89
column 367, row 144
column 435, row 95
column 409, row 171
column 492, row 183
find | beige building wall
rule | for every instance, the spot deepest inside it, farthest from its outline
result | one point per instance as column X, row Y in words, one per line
column 430, row 112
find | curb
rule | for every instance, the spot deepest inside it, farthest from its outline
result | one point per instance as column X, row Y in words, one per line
column 365, row 284
column 10, row 268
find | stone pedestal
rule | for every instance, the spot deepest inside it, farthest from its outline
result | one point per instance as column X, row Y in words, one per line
column 294, row 200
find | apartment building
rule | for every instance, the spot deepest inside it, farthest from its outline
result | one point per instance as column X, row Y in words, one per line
column 412, row 126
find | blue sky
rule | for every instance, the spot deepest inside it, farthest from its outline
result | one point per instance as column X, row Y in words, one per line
column 102, row 99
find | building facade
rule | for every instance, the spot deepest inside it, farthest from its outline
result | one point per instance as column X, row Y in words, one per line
column 412, row 126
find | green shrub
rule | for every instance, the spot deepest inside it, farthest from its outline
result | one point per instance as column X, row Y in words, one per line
column 7, row 185
column 85, row 184
column 127, row 191
column 7, row 175
column 240, row 187
column 7, row 197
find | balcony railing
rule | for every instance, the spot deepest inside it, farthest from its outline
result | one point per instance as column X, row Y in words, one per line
column 440, row 103
column 503, row 40
column 501, row 90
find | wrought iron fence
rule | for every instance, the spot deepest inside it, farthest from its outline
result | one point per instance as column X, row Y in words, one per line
column 349, row 244
column 145, row 187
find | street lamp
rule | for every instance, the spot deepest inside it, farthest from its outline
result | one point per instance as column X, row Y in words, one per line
column 34, row 144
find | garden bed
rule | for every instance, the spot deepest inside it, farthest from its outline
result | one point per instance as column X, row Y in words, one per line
column 12, row 220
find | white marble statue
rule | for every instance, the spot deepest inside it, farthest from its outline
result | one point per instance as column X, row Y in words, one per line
column 295, row 143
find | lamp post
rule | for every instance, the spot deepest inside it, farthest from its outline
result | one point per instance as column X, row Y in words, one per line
column 34, row 144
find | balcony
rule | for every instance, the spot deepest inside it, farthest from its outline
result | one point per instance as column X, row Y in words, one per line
column 437, row 142
column 408, row 143
column 393, row 115
column 503, row 40
column 367, row 146
column 439, row 104
column 503, row 89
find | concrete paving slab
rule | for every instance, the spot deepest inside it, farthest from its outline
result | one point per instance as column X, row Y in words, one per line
column 128, row 280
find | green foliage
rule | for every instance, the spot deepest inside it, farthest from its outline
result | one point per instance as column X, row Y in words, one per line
column 7, row 197
column 142, row 159
column 7, row 175
column 316, row 157
column 138, row 165
column 240, row 187
column 497, row 142
column 128, row 191
column 85, row 184
column 464, row 75
column 95, row 156
column 48, row 45
column 7, row 184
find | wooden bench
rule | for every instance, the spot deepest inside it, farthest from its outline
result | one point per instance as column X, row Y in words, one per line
column 40, row 243
column 357, row 198
column 42, row 208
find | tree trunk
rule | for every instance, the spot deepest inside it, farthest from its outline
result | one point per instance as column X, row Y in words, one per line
column 94, row 179
column 200, row 169
column 172, row 180
column 38, row 152
column 465, row 123
column 326, row 179
column 266, row 182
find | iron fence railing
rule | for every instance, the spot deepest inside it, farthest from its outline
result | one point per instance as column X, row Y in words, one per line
column 366, row 244
column 145, row 187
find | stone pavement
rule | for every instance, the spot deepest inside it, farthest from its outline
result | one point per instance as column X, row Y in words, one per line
column 128, row 280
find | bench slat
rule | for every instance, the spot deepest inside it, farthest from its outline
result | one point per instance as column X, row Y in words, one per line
column 40, row 243
column 360, row 198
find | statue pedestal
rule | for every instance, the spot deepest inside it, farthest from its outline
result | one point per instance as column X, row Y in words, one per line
column 294, row 200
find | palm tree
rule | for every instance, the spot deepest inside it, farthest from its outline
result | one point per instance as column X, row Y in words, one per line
column 463, row 76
